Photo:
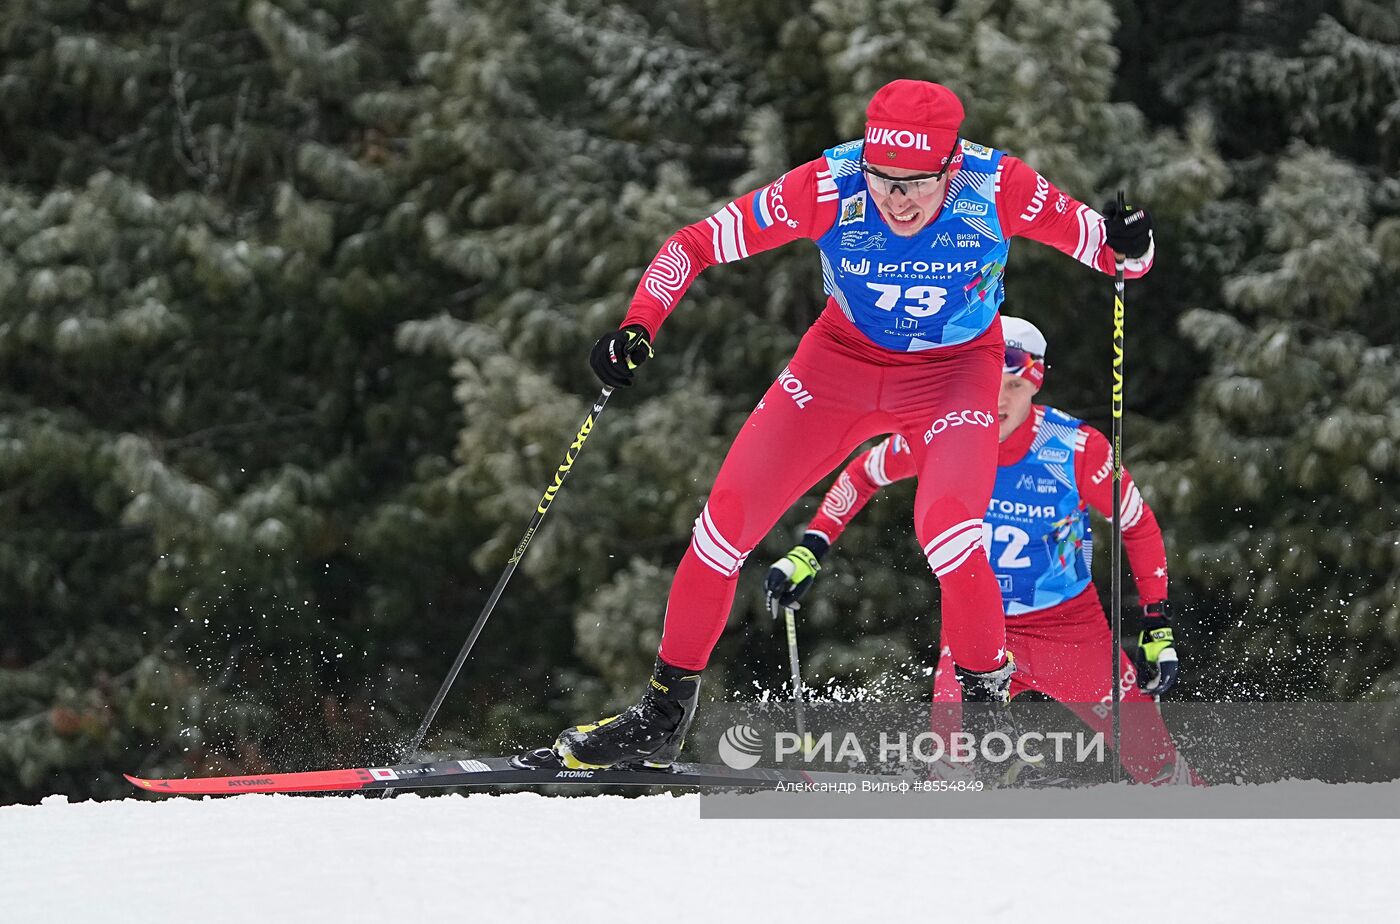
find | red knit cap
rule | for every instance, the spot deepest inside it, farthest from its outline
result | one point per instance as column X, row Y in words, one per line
column 912, row 124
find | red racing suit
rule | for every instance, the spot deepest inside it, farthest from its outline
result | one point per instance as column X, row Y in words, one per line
column 841, row 388
column 1060, row 650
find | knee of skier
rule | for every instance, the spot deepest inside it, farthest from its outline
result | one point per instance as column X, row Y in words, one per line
column 953, row 549
column 717, row 539
column 951, row 536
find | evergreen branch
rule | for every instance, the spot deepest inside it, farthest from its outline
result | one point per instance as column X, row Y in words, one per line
column 217, row 432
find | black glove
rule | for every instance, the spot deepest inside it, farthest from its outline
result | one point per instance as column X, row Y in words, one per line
column 618, row 353
column 1129, row 231
column 1157, row 663
column 792, row 576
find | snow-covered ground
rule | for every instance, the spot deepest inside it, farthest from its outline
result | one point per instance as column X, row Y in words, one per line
column 534, row 858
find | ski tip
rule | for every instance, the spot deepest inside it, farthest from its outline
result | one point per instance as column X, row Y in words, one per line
column 139, row 783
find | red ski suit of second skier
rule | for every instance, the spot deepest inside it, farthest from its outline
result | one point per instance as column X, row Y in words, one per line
column 1061, row 651
column 841, row 389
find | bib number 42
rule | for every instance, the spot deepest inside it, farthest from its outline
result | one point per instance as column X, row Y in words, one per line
column 919, row 301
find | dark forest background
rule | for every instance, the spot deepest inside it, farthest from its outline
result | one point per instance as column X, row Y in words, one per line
column 296, row 299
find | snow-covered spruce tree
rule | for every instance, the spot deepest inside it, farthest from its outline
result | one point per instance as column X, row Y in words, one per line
column 201, row 392
column 1284, row 494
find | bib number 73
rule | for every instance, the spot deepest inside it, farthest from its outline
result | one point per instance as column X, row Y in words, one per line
column 919, row 301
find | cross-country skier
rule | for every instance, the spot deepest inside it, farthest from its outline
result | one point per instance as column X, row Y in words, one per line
column 913, row 225
column 1052, row 468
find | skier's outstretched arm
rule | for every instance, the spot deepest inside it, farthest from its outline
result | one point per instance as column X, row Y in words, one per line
column 799, row 204
column 1147, row 558
column 1031, row 206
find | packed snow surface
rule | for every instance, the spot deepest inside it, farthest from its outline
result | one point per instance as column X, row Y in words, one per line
column 528, row 857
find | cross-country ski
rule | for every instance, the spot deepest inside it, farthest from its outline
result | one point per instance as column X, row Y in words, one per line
column 535, row 768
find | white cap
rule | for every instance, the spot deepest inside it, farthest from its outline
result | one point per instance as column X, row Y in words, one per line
column 1018, row 332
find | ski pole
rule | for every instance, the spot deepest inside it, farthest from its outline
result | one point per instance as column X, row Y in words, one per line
column 1116, row 579
column 570, row 456
column 791, row 620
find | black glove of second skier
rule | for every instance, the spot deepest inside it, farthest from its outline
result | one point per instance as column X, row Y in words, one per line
column 1128, row 231
column 618, row 353
column 1157, row 663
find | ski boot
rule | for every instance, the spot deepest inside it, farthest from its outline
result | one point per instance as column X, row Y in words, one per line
column 989, row 694
column 649, row 734
column 991, row 687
